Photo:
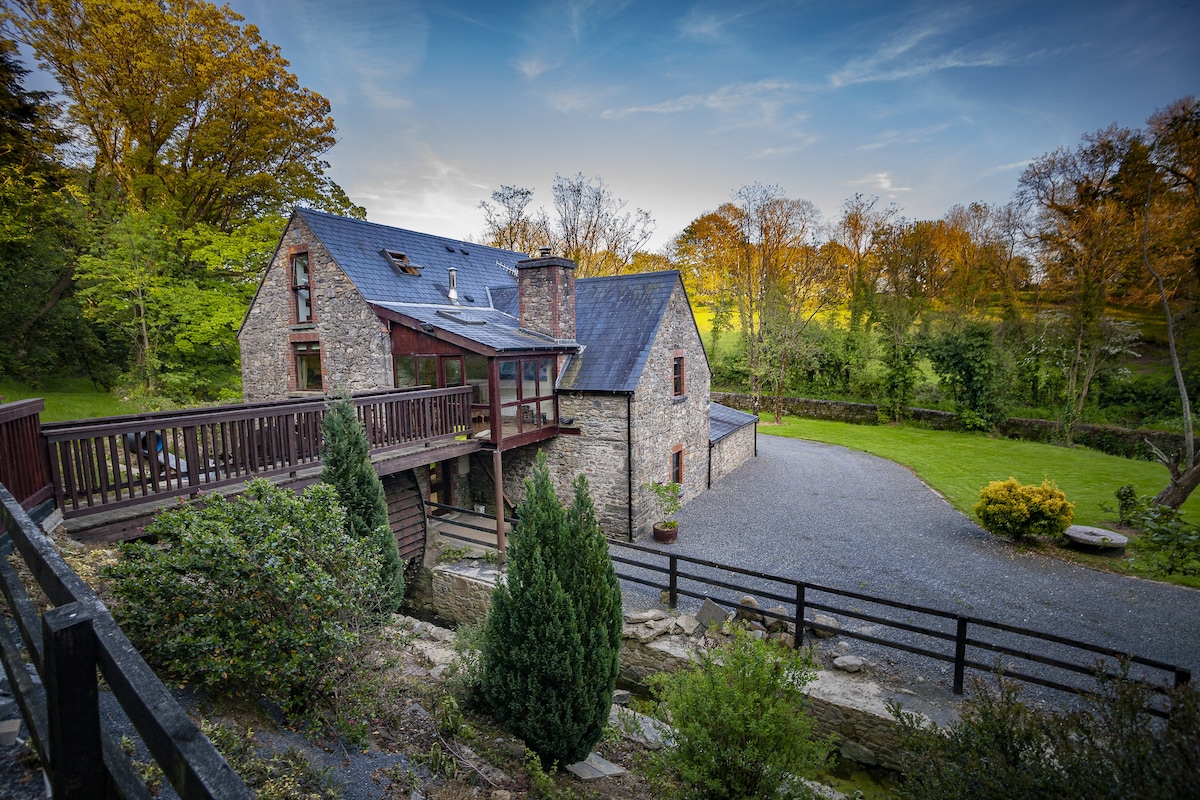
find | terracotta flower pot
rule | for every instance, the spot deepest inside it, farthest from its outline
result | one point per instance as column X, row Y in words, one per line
column 665, row 535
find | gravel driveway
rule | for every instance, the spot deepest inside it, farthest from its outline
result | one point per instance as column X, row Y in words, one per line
column 841, row 518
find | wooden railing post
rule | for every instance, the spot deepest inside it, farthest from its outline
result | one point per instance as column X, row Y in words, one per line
column 673, row 586
column 191, row 451
column 76, row 768
column 799, row 638
column 960, row 654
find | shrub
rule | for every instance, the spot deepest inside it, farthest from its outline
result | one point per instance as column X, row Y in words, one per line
column 1168, row 544
column 549, row 655
column 258, row 594
column 346, row 465
column 1009, row 508
column 738, row 715
column 669, row 497
column 1001, row 748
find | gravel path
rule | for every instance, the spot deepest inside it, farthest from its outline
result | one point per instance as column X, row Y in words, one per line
column 841, row 518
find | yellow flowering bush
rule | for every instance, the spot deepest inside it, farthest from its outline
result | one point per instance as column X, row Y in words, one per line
column 1010, row 508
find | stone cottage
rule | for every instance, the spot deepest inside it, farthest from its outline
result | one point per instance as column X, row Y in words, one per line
column 607, row 376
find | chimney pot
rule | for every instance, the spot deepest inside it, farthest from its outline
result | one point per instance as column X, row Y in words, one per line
column 544, row 252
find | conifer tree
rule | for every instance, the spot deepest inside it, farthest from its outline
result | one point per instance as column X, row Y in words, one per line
column 346, row 465
column 550, row 646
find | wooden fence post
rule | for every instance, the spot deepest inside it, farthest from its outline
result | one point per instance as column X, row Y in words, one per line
column 799, row 638
column 673, row 579
column 960, row 654
column 76, row 766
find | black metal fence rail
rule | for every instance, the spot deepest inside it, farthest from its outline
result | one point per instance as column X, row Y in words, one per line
column 965, row 642
column 67, row 645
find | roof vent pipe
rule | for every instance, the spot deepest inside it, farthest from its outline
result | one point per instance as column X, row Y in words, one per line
column 453, row 293
column 544, row 252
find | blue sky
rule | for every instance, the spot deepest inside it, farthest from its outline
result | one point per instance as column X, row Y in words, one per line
column 675, row 105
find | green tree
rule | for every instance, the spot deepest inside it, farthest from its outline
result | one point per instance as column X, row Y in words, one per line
column 346, row 465
column 37, row 232
column 740, row 727
column 550, row 646
column 968, row 365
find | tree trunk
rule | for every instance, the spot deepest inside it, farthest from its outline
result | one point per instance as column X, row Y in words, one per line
column 1180, row 488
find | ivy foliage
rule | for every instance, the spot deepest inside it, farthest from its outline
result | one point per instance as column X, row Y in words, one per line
column 554, row 627
column 258, row 594
column 346, row 465
column 740, row 727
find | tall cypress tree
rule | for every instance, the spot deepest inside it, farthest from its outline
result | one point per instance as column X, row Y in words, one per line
column 346, row 465
column 550, row 646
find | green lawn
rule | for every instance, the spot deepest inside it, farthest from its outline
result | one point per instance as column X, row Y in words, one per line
column 958, row 464
column 75, row 398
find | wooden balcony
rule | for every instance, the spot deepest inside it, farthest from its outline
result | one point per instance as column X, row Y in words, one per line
column 119, row 462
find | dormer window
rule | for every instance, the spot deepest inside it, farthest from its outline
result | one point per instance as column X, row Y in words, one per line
column 401, row 262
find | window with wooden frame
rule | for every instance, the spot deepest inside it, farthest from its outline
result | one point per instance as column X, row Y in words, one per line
column 678, row 375
column 301, row 288
column 308, row 366
column 527, row 400
column 677, row 464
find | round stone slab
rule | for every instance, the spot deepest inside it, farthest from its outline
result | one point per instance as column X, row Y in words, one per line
column 1096, row 537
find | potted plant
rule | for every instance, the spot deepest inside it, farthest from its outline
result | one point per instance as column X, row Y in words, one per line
column 669, row 496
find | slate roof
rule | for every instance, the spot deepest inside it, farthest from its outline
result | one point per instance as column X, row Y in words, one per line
column 723, row 420
column 616, row 319
column 489, row 327
column 358, row 248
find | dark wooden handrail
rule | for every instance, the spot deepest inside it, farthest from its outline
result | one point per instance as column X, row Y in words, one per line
column 960, row 640
column 102, row 464
column 67, row 646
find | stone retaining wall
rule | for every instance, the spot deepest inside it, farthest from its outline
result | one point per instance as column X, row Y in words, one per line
column 851, row 707
column 1110, row 439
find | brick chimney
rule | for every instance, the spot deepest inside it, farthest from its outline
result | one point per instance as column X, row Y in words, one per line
column 546, row 292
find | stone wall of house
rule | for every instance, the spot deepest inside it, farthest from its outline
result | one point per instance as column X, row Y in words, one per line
column 355, row 349
column 732, row 451
column 661, row 421
column 600, row 451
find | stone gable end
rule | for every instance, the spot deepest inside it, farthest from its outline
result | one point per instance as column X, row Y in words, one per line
column 355, row 350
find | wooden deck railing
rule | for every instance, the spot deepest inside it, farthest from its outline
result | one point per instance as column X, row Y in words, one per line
column 104, row 464
column 66, row 646
column 23, row 465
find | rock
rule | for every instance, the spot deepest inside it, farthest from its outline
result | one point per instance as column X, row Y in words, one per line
column 621, row 697
column 757, row 634
column 652, row 630
column 711, row 614
column 440, row 634
column 501, row 794
column 439, row 670
column 843, row 646
column 646, row 731
column 848, row 663
column 1096, row 537
column 828, row 622
column 756, row 627
column 639, row 617
column 687, row 624
column 856, row 752
column 784, row 639
column 777, row 624
column 750, row 613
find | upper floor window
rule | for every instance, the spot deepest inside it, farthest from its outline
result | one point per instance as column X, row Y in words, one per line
column 678, row 375
column 308, row 366
column 301, row 288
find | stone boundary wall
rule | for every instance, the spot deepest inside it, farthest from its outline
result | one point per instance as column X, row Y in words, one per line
column 850, row 707
column 1105, row 438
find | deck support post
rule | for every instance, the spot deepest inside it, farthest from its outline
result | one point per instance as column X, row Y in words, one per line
column 498, row 475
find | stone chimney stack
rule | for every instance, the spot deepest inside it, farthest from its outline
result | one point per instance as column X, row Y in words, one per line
column 546, row 292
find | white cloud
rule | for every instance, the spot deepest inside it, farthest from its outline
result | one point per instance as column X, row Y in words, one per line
column 880, row 181
column 533, row 67
column 766, row 94
column 888, row 138
column 996, row 170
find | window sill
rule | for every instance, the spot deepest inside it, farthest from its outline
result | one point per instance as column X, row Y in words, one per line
column 679, row 398
column 303, row 326
column 305, row 394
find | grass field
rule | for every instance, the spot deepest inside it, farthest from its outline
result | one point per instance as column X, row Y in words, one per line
column 958, row 465
column 75, row 398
